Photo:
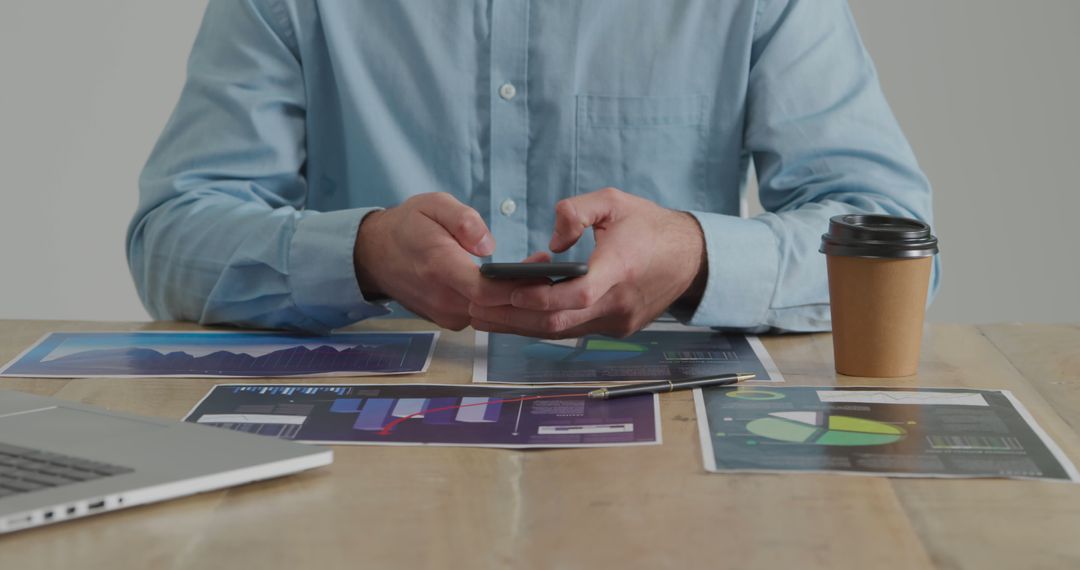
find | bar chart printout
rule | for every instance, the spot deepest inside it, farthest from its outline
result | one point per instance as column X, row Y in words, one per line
column 224, row 354
column 432, row 414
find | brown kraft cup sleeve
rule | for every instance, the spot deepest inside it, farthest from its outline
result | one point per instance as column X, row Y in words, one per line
column 878, row 306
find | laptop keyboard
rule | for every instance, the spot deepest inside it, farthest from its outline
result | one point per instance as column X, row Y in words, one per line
column 23, row 470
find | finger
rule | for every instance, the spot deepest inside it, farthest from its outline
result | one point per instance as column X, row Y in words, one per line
column 461, row 221
column 606, row 325
column 457, row 271
column 496, row 328
column 533, row 323
column 606, row 269
column 490, row 292
column 612, row 316
column 574, row 215
column 538, row 257
column 506, row 329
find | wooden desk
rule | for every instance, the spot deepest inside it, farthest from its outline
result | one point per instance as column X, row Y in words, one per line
column 636, row 507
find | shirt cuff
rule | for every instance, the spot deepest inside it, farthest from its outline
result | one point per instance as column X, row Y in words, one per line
column 743, row 260
column 321, row 273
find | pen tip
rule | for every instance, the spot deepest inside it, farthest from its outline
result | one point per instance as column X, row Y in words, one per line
column 742, row 377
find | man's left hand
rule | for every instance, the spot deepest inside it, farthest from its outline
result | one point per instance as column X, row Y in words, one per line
column 647, row 257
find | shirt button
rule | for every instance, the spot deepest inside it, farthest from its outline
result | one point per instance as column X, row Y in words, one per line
column 507, row 91
column 508, row 207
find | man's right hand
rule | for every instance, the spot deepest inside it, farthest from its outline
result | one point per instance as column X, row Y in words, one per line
column 418, row 253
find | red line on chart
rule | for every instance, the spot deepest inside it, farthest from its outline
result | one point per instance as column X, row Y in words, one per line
column 386, row 429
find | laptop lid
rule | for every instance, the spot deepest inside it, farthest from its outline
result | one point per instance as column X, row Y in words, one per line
column 62, row 460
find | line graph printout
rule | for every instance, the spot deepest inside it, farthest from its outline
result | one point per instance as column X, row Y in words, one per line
column 432, row 414
column 927, row 432
column 223, row 354
column 925, row 398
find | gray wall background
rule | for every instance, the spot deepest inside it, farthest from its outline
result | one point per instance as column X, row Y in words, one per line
column 986, row 91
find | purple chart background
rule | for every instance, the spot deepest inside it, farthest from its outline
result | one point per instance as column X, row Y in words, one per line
column 410, row 414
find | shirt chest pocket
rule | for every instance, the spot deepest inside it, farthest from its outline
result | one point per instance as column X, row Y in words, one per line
column 654, row 147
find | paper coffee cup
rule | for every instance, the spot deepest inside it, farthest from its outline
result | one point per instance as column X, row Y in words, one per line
column 879, row 273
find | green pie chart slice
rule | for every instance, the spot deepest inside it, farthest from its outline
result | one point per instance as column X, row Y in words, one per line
column 613, row 345
column 855, row 438
column 841, row 431
column 847, row 423
column 782, row 430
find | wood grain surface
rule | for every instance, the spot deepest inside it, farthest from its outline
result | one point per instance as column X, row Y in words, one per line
column 631, row 507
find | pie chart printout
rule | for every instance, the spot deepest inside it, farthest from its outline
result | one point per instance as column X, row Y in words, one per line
column 819, row 428
column 875, row 431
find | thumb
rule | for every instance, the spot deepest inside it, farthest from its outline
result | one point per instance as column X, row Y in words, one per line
column 462, row 222
column 574, row 215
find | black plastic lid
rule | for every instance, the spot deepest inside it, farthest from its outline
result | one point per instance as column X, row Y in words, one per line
column 866, row 235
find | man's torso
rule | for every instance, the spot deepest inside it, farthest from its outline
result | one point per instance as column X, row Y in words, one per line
column 514, row 105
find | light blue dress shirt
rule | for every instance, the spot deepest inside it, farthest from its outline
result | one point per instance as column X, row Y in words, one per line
column 301, row 116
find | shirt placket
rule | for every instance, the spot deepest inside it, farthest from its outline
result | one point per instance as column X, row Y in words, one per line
column 509, row 128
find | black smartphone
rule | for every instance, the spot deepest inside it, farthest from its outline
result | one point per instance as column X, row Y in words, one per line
column 557, row 271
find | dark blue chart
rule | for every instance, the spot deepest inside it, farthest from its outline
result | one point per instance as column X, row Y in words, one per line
column 891, row 432
column 224, row 354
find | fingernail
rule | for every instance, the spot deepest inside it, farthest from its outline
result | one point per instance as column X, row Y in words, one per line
column 486, row 246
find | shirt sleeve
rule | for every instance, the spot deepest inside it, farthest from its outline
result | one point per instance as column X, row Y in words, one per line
column 221, row 234
column 824, row 142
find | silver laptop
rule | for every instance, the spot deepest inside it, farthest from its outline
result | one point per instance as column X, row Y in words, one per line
column 63, row 460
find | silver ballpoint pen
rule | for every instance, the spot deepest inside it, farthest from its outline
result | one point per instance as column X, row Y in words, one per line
column 669, row 386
